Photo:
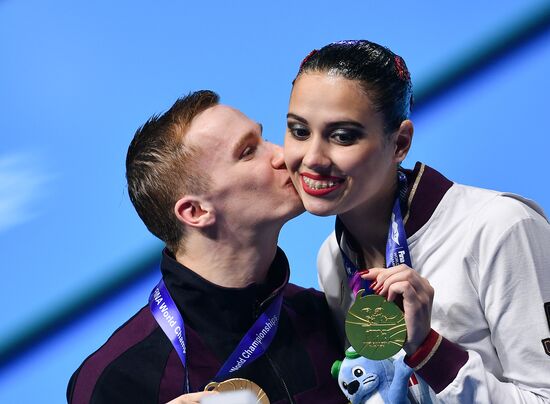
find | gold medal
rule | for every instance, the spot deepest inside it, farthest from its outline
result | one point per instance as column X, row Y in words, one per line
column 239, row 384
column 375, row 328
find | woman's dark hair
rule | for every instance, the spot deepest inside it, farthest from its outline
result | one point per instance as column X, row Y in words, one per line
column 382, row 74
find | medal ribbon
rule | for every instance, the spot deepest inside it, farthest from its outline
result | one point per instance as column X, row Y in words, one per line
column 169, row 319
column 397, row 248
column 256, row 340
column 253, row 345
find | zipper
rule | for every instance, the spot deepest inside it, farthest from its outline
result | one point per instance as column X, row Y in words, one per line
column 278, row 374
column 255, row 313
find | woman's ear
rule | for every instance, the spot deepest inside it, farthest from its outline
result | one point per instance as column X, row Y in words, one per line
column 195, row 211
column 403, row 140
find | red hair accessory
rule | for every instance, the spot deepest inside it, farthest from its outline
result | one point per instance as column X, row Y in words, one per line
column 402, row 71
column 313, row 52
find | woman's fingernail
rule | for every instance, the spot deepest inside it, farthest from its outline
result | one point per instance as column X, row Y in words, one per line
column 364, row 272
column 372, row 285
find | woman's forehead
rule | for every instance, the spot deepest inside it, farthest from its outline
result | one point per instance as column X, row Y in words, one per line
column 315, row 93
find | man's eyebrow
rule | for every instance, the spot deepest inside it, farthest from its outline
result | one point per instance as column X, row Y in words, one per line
column 243, row 140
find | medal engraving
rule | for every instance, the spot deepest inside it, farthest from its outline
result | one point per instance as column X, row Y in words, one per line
column 375, row 327
column 239, row 384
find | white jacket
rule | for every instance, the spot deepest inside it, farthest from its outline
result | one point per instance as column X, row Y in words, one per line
column 487, row 256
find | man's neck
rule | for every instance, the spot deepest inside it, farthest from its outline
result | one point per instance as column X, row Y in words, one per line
column 232, row 263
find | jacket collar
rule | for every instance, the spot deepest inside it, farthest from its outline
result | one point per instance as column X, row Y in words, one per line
column 206, row 306
column 426, row 188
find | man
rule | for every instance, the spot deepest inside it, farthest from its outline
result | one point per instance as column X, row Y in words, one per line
column 204, row 181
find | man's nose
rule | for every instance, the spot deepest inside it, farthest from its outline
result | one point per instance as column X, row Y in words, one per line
column 278, row 158
column 315, row 156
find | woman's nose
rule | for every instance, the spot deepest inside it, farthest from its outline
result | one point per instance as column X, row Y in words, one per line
column 315, row 155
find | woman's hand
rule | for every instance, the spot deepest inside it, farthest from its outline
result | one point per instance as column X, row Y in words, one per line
column 403, row 282
column 191, row 398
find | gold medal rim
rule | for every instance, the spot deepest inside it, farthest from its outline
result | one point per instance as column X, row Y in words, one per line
column 239, row 383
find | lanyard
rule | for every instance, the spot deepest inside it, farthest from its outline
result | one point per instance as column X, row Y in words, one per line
column 397, row 248
column 253, row 345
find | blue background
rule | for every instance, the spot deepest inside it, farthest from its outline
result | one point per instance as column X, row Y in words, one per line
column 76, row 80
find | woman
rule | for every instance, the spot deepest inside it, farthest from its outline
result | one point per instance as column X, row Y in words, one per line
column 484, row 253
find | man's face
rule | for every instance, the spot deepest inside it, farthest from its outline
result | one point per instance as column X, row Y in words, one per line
column 250, row 186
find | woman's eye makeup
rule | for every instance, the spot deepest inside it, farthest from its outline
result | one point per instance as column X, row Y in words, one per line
column 298, row 131
column 345, row 136
column 340, row 135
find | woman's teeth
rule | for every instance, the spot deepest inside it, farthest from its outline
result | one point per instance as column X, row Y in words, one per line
column 316, row 184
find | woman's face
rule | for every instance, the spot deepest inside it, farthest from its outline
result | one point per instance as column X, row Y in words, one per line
column 335, row 148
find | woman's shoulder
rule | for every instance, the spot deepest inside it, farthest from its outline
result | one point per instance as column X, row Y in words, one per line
column 488, row 216
column 489, row 206
column 329, row 255
column 330, row 246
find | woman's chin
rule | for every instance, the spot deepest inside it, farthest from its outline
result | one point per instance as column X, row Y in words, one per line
column 318, row 209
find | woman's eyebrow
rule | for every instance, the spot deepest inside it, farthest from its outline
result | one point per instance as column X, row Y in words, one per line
column 330, row 125
column 296, row 117
column 336, row 124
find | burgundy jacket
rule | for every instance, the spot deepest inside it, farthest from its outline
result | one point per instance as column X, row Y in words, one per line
column 138, row 364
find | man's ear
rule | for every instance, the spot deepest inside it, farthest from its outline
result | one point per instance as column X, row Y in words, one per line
column 195, row 211
column 403, row 140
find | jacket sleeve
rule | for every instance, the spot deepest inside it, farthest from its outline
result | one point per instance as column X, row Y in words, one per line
column 513, row 289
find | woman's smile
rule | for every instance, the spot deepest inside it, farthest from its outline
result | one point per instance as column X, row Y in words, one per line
column 336, row 150
column 320, row 185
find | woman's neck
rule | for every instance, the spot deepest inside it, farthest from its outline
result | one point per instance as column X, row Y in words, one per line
column 369, row 223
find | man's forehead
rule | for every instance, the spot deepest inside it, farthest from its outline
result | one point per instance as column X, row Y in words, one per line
column 216, row 124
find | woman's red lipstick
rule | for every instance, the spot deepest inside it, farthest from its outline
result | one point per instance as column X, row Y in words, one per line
column 319, row 185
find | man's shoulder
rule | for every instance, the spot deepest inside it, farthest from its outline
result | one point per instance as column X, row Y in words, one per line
column 305, row 300
column 292, row 290
column 123, row 349
column 312, row 318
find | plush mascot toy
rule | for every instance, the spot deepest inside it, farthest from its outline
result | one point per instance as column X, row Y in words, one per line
column 362, row 379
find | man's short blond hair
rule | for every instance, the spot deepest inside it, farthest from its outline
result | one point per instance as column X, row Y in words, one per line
column 161, row 168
